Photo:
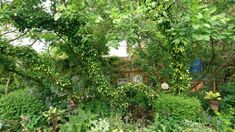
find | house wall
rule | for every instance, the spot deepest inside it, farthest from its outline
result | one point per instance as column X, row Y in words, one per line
column 128, row 71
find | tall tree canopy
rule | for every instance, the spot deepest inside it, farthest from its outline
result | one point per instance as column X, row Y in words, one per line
column 78, row 33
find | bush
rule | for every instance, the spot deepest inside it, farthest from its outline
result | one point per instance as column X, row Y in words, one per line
column 97, row 106
column 136, row 100
column 177, row 107
column 161, row 125
column 2, row 90
column 227, row 105
column 18, row 103
column 228, row 94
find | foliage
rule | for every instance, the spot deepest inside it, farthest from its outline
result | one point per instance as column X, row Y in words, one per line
column 53, row 115
column 80, row 122
column 97, row 106
column 19, row 103
column 162, row 125
column 2, row 90
column 225, row 120
column 163, row 38
column 100, row 125
column 213, row 96
column 117, row 124
column 87, row 121
column 227, row 105
column 134, row 98
column 177, row 107
column 228, row 93
column 30, row 122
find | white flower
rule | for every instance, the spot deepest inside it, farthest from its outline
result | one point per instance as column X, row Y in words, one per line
column 164, row 86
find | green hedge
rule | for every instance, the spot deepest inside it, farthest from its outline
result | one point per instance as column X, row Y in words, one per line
column 177, row 107
column 18, row 103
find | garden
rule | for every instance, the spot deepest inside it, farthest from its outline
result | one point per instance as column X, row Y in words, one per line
column 57, row 74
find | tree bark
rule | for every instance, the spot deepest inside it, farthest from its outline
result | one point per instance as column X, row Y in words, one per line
column 7, row 84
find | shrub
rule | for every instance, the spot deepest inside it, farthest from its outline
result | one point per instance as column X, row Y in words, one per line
column 227, row 105
column 136, row 100
column 2, row 90
column 18, row 103
column 162, row 125
column 177, row 107
column 97, row 106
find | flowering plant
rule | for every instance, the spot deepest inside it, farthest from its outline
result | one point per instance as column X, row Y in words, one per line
column 164, row 86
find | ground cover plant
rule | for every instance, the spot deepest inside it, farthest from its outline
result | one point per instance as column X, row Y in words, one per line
column 185, row 50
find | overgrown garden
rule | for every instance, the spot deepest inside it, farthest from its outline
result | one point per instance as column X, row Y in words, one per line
column 70, row 87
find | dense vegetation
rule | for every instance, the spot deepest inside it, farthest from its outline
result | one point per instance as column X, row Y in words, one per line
column 70, row 85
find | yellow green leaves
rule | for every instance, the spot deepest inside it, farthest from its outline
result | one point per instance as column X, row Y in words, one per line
column 212, row 95
column 208, row 23
column 201, row 37
column 196, row 26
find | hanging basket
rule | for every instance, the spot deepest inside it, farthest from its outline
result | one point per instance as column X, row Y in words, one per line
column 214, row 104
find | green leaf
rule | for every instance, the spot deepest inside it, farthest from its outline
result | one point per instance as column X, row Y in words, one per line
column 196, row 26
column 57, row 16
column 199, row 16
column 201, row 37
column 176, row 41
column 98, row 19
column 212, row 10
column 207, row 25
column 112, row 43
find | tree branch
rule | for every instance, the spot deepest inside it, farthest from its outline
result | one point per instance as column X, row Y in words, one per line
column 17, row 37
column 13, row 31
column 1, row 3
column 25, row 76
column 34, row 42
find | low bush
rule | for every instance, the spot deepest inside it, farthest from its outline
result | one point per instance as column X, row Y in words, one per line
column 177, row 107
column 16, row 104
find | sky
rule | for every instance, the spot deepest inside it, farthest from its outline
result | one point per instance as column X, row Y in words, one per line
column 39, row 46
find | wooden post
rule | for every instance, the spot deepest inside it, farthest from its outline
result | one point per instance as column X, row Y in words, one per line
column 214, row 86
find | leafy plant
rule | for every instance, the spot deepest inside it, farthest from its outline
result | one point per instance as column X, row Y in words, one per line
column 97, row 106
column 2, row 90
column 53, row 115
column 177, row 107
column 227, row 105
column 213, row 96
column 134, row 99
column 100, row 125
column 163, row 125
column 30, row 122
column 18, row 103
column 226, row 120
column 79, row 122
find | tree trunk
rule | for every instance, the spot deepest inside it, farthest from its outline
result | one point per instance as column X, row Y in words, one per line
column 8, row 82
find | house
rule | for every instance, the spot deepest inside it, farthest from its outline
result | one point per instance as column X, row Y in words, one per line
column 127, row 72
